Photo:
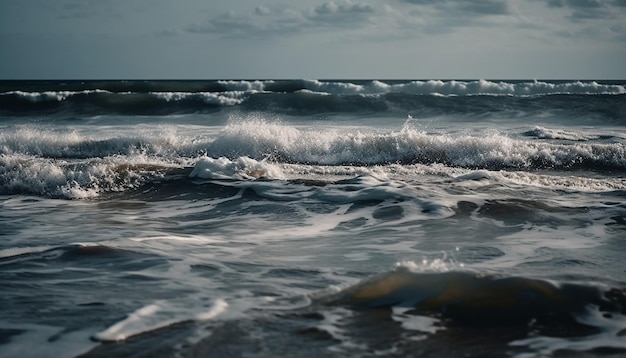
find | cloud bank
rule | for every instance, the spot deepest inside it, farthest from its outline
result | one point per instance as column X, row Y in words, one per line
column 414, row 18
column 327, row 38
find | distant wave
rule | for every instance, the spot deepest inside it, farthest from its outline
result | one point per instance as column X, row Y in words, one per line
column 457, row 87
column 464, row 88
column 299, row 96
column 105, row 102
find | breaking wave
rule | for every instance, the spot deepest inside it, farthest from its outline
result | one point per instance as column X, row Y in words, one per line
column 38, row 161
column 492, row 150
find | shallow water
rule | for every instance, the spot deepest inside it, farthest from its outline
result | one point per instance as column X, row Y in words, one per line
column 293, row 220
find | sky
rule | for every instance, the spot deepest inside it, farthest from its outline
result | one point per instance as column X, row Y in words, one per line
column 342, row 39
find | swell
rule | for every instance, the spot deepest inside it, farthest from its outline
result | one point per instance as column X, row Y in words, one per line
column 306, row 97
column 87, row 253
column 349, row 87
column 104, row 102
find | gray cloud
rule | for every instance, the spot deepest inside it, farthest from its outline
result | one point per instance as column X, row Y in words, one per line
column 86, row 9
column 345, row 8
column 590, row 14
column 457, row 7
column 588, row 4
column 556, row 3
column 584, row 4
column 489, row 38
column 342, row 15
column 229, row 24
column 487, row 7
column 448, row 16
column 582, row 10
column 262, row 10
column 422, row 2
column 264, row 21
column 78, row 10
column 411, row 19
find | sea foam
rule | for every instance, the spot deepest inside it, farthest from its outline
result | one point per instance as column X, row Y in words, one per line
column 448, row 87
column 154, row 316
column 493, row 150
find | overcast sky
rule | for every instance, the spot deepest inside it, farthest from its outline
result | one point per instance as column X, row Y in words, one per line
column 224, row 39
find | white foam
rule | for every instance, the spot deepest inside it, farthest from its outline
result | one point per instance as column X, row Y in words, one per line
column 241, row 168
column 257, row 139
column 139, row 321
column 610, row 336
column 332, row 324
column 77, row 164
column 18, row 251
column 413, row 322
column 154, row 316
column 549, row 133
column 51, row 163
column 336, row 87
column 218, row 308
column 247, row 168
column 235, row 89
column 524, row 246
column 429, row 265
column 41, row 176
column 462, row 88
column 201, row 239
column 245, row 85
column 574, row 183
column 229, row 98
column 76, row 179
column 107, row 141
column 58, row 96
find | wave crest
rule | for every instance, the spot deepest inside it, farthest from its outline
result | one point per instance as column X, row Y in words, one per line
column 293, row 96
column 494, row 150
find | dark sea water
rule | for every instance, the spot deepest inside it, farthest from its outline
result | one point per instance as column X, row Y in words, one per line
column 310, row 218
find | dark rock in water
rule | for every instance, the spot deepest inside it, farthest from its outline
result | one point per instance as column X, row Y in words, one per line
column 477, row 299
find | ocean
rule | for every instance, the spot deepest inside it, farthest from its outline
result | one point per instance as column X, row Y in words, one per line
column 313, row 218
